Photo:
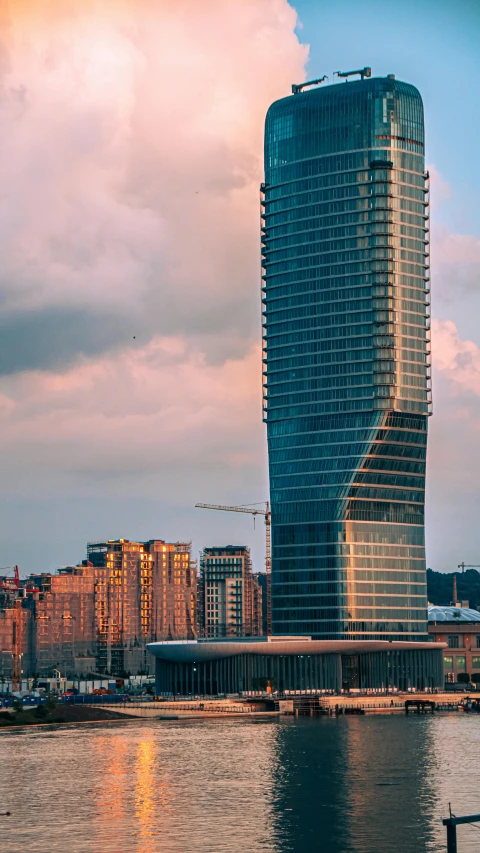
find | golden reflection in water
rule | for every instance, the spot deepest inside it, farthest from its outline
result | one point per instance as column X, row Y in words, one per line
column 112, row 758
column 146, row 796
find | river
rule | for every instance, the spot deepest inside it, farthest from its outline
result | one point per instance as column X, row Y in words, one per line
column 305, row 785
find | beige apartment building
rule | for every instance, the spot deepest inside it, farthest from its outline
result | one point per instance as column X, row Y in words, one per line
column 230, row 600
column 144, row 591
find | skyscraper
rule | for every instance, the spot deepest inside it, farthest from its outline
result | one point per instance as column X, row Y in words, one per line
column 345, row 292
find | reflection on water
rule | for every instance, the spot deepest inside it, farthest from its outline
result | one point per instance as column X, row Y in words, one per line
column 145, row 795
column 349, row 785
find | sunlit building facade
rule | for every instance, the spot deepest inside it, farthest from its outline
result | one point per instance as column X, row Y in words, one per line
column 65, row 629
column 346, row 359
column 230, row 594
column 143, row 591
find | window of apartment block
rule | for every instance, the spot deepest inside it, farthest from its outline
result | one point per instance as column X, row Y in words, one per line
column 476, row 662
column 460, row 660
column 447, row 662
column 478, row 641
column 453, row 642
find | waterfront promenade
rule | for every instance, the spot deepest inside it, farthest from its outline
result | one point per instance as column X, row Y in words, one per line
column 327, row 704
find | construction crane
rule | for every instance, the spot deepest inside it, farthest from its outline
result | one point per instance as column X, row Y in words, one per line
column 253, row 510
column 17, row 631
column 464, row 566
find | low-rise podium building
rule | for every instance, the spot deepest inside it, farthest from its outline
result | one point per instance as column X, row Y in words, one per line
column 212, row 667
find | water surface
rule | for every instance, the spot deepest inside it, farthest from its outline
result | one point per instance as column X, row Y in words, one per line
column 347, row 785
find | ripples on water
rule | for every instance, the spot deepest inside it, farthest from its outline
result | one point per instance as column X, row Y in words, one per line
column 348, row 785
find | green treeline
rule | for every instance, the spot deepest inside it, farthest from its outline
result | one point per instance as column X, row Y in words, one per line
column 440, row 587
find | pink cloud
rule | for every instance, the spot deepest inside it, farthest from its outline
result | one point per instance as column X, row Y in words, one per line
column 133, row 132
column 457, row 360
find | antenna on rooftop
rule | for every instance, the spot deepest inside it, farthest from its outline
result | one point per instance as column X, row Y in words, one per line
column 364, row 72
column 298, row 87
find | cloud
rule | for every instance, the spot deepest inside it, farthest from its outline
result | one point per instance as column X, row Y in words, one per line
column 456, row 360
column 132, row 131
column 153, row 411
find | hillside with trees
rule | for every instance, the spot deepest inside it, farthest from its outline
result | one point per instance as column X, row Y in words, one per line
column 440, row 587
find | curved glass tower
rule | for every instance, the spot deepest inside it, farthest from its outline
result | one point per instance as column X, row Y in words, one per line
column 345, row 293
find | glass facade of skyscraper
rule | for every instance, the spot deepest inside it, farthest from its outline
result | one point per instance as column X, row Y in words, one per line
column 346, row 294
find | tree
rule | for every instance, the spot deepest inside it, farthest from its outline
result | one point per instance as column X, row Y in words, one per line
column 463, row 677
column 476, row 677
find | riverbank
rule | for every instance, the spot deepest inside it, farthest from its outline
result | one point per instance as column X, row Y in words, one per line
column 58, row 715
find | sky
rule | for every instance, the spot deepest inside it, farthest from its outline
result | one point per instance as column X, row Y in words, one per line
column 131, row 157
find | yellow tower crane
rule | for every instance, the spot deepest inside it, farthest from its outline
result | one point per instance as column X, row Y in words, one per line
column 253, row 510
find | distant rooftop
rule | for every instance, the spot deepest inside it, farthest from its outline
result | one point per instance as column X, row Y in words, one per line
column 436, row 613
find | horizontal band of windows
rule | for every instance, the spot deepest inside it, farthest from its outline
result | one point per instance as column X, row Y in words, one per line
column 301, row 333
column 330, row 209
column 335, row 550
column 324, row 614
column 283, row 413
column 373, row 232
column 338, row 192
column 303, row 576
column 415, row 351
column 371, row 298
column 311, row 629
column 306, row 480
column 365, row 218
column 362, row 322
column 341, row 349
column 401, row 357
column 344, row 361
column 352, row 564
column 305, row 186
column 386, row 195
column 366, row 299
column 397, row 371
column 349, row 465
column 354, row 158
column 337, row 281
column 345, row 458
column 393, row 604
column 348, row 630
column 378, row 310
column 274, row 266
column 339, row 533
column 392, row 424
column 279, row 401
column 369, row 262
column 383, row 587
column 317, row 276
column 385, row 252
column 394, row 494
column 311, row 448
column 396, row 512
column 305, row 542
column 333, row 407
column 344, row 177
column 383, row 322
column 315, row 367
column 328, row 289
column 355, row 380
